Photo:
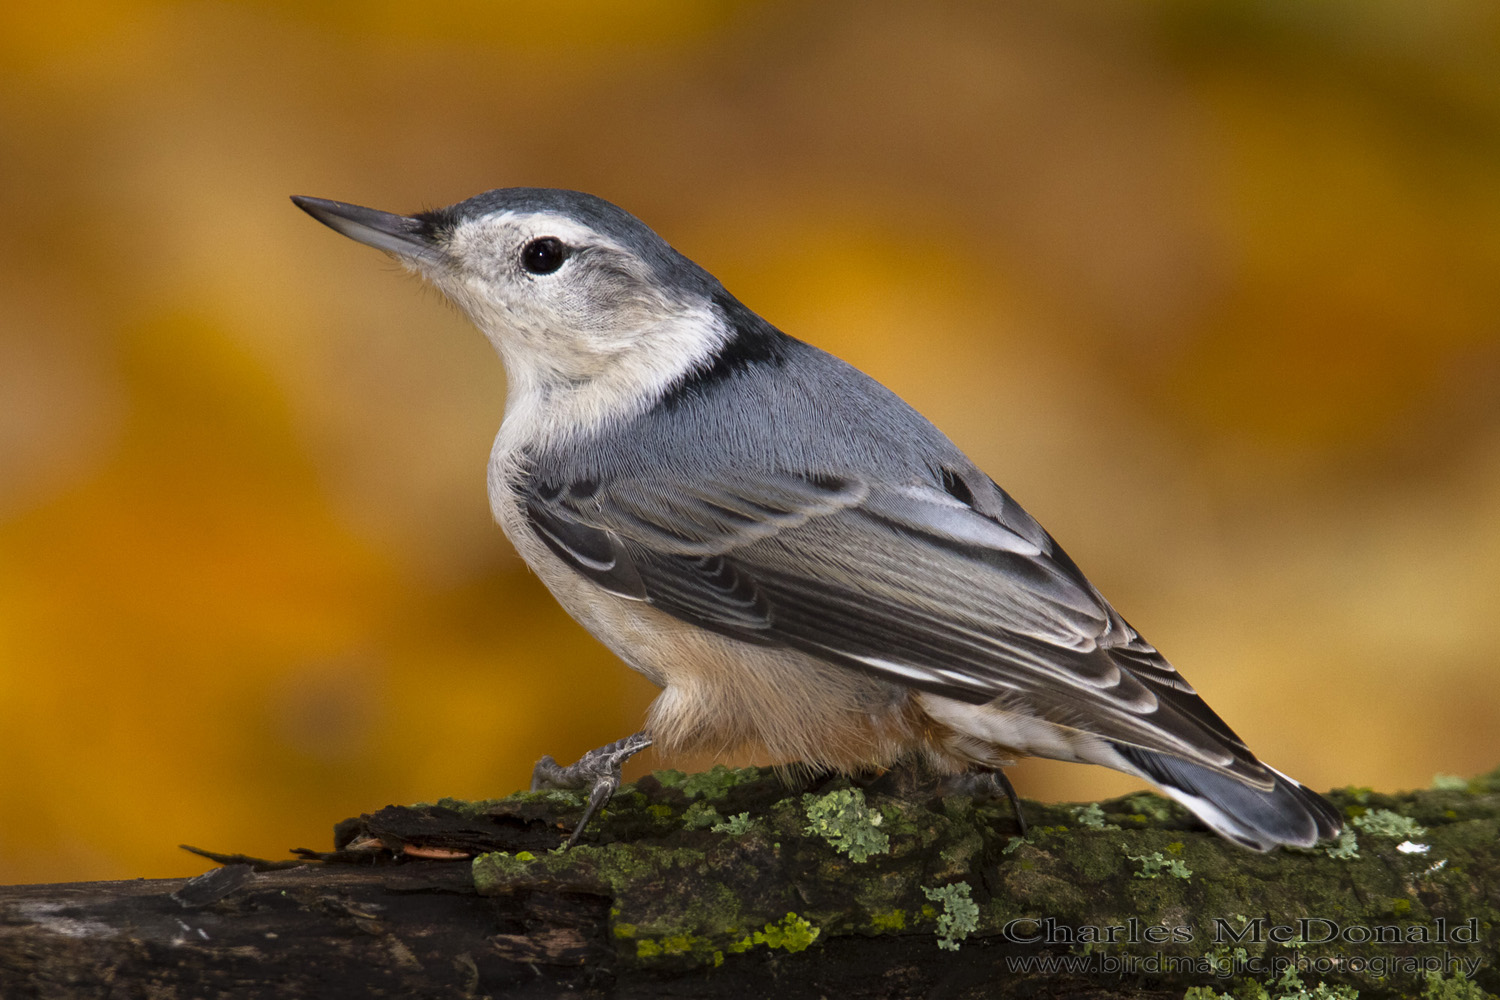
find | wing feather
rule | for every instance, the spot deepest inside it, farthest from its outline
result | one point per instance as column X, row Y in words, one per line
column 907, row 582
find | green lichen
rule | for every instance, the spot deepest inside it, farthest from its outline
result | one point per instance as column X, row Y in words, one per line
column 902, row 821
column 1457, row 988
column 1346, row 848
column 1450, row 783
column 960, row 916
column 791, row 934
column 1034, row 837
column 672, row 944
column 1092, row 817
column 682, row 899
column 1153, row 864
column 621, row 865
column 629, row 797
column 716, row 782
column 669, row 778
column 844, row 820
column 1288, row 986
column 1148, row 807
column 498, row 867
column 700, row 815
column 1384, row 823
column 736, row 825
column 563, row 798
column 1224, row 959
column 648, row 883
column 1291, row 987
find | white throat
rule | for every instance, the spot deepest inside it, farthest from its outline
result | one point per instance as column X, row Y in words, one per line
column 547, row 404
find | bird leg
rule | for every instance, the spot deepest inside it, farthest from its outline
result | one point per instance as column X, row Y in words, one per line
column 598, row 770
column 984, row 784
column 999, row 777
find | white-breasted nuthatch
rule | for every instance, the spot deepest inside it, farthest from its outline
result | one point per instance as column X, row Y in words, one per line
column 802, row 562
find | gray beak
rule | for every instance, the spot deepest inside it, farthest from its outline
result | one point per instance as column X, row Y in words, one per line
column 407, row 238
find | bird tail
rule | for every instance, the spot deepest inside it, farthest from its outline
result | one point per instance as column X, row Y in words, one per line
column 1260, row 819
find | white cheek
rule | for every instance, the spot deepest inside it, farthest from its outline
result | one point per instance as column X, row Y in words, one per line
column 598, row 386
column 579, row 349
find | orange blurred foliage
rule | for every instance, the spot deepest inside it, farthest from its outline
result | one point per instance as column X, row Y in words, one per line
column 1214, row 289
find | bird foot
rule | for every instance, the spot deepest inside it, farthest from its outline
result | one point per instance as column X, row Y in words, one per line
column 598, row 771
column 985, row 784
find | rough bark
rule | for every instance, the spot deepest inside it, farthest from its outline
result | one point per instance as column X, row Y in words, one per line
column 730, row 883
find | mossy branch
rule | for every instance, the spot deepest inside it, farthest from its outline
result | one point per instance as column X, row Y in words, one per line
column 731, row 883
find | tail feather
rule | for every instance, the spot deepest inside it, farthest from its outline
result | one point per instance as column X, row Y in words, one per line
column 1288, row 813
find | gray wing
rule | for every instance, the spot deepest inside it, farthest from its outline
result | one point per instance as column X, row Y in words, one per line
column 910, row 582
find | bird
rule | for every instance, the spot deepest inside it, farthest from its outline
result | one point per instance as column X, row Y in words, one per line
column 803, row 563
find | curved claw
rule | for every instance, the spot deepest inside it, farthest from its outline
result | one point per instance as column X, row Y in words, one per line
column 598, row 770
column 985, row 784
column 1003, row 781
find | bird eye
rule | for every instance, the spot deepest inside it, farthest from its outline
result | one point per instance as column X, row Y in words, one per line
column 544, row 256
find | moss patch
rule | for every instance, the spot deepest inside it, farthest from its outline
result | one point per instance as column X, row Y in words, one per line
column 700, row 815
column 698, row 870
column 1457, row 988
column 718, row 781
column 499, row 868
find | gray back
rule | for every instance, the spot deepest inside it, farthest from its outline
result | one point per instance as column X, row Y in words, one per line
column 802, row 412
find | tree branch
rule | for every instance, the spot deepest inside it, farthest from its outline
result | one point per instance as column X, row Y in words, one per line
column 729, row 883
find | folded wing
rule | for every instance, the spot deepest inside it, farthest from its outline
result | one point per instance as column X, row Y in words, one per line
column 906, row 581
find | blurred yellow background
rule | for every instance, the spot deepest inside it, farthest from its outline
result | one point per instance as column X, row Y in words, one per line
column 1212, row 288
